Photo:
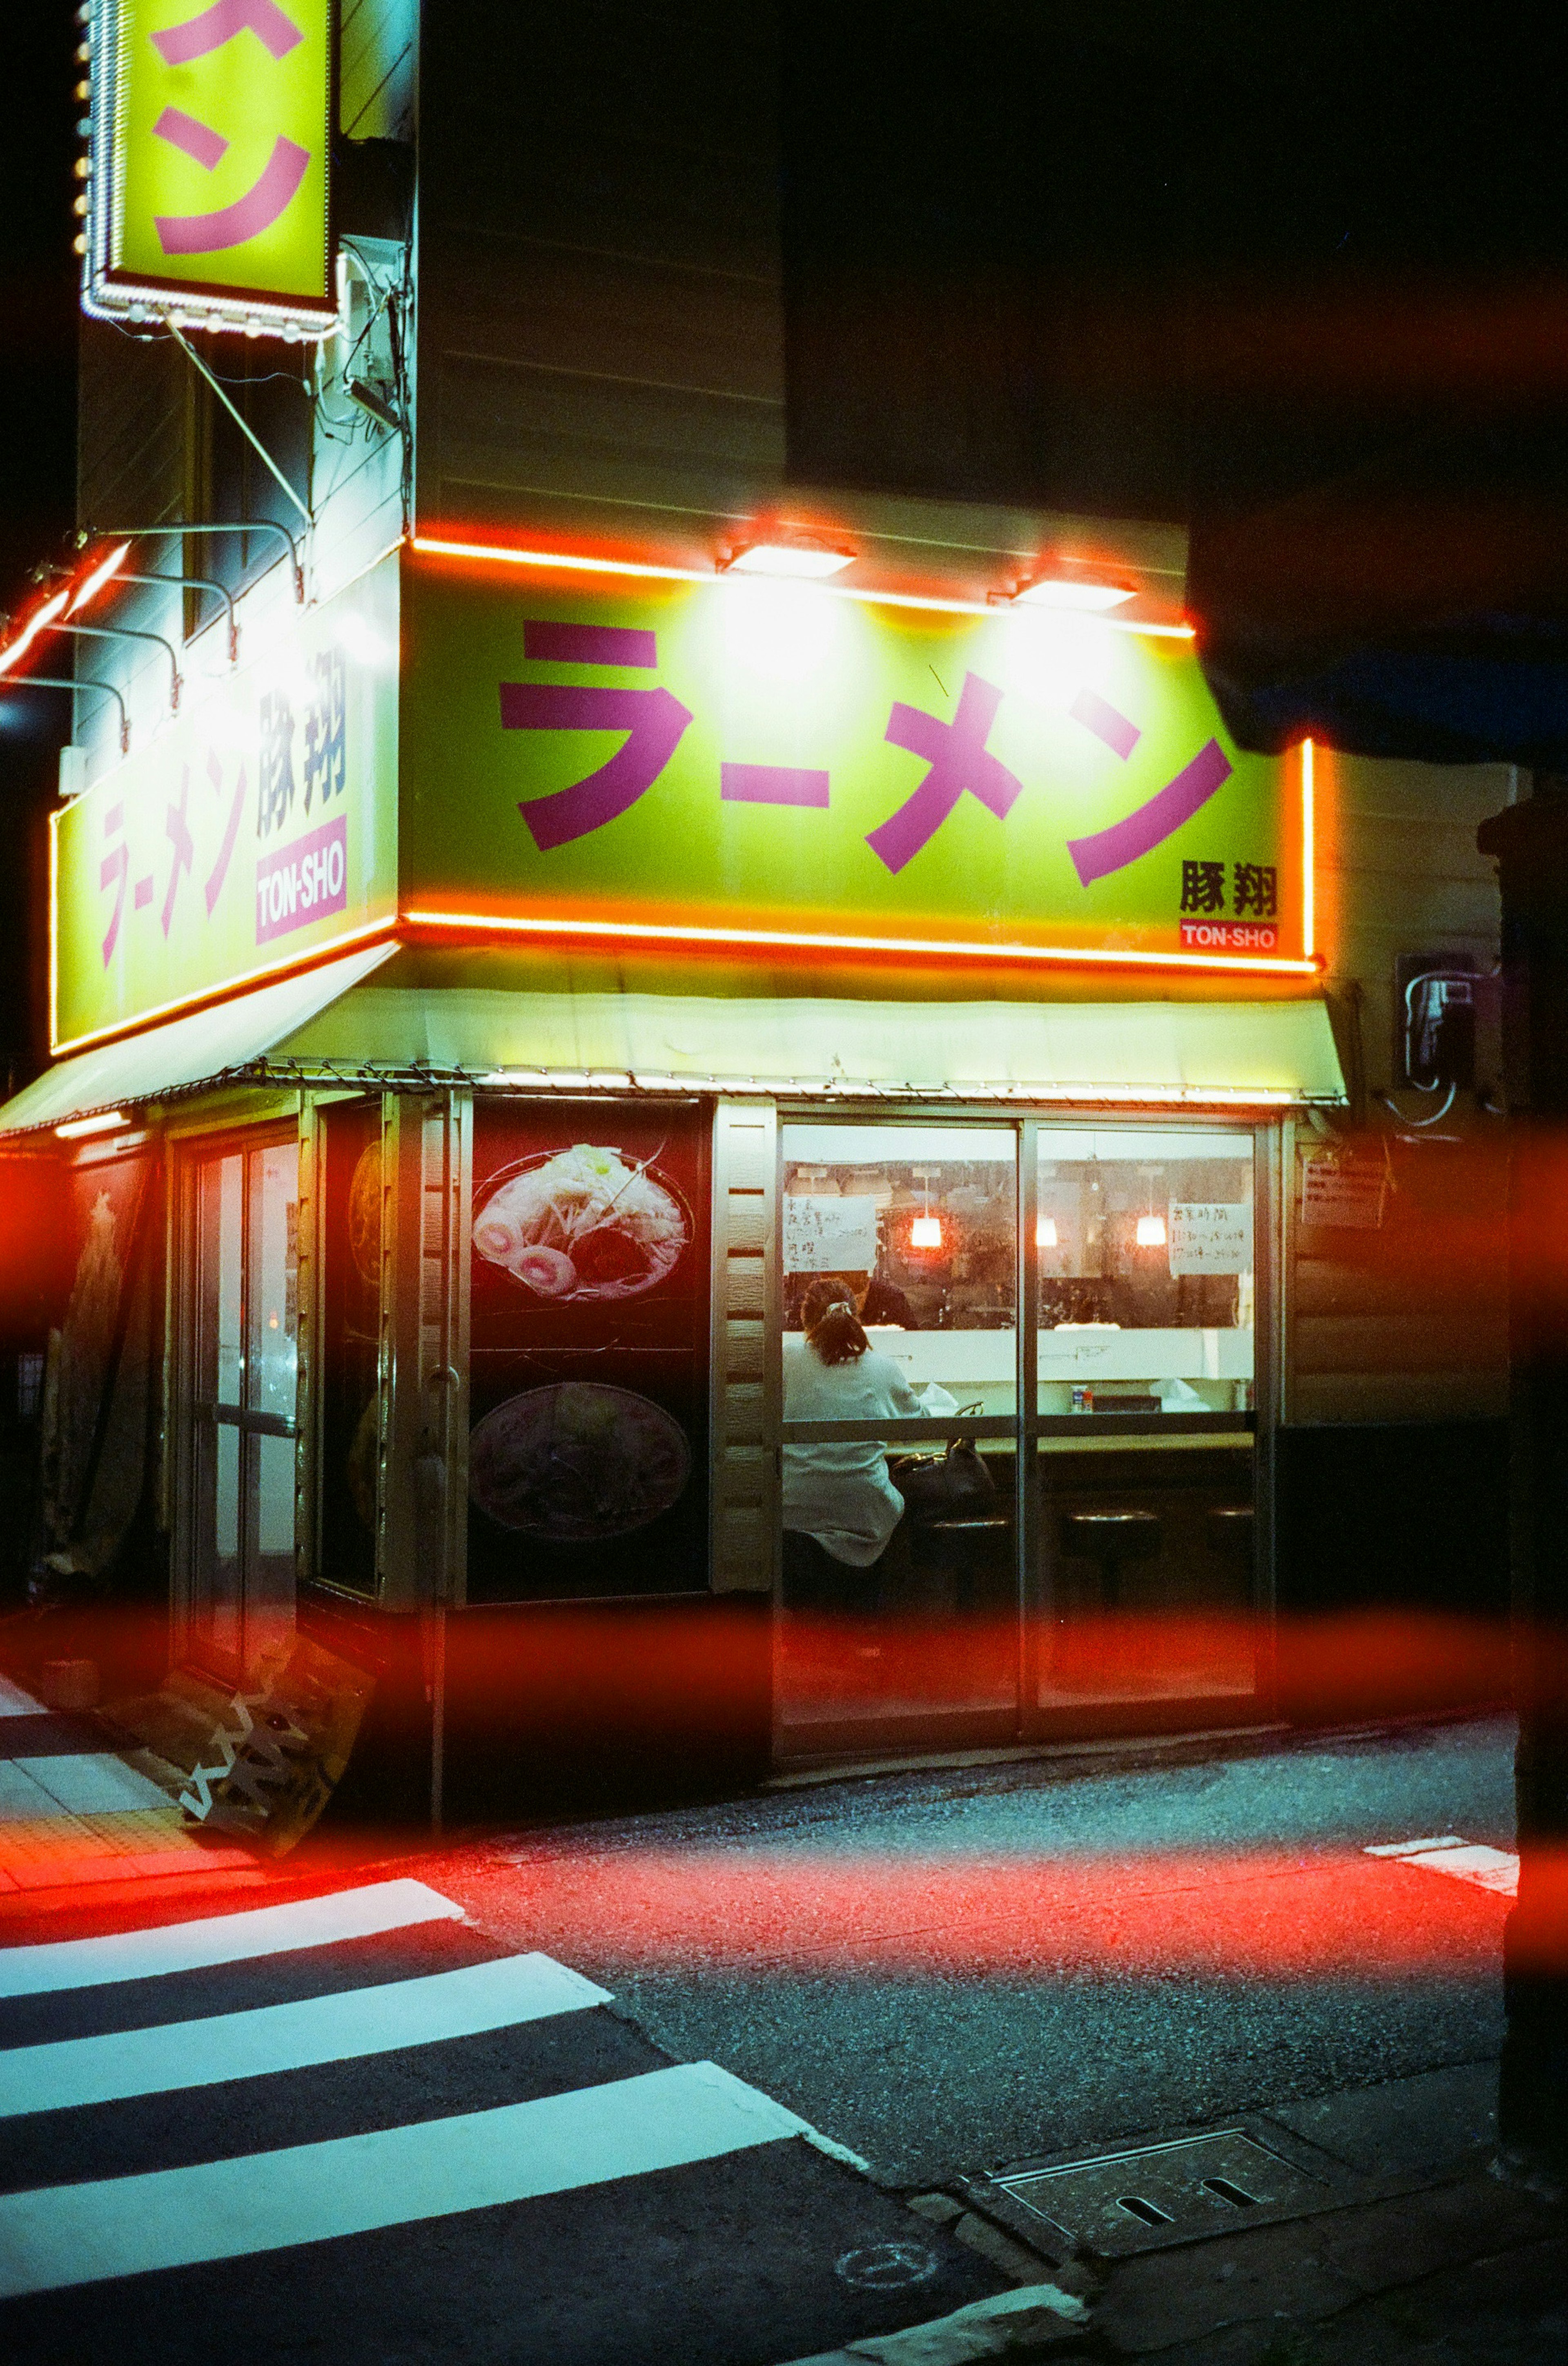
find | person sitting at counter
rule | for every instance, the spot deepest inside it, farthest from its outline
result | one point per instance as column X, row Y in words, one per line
column 884, row 1301
column 873, row 1297
column 838, row 1497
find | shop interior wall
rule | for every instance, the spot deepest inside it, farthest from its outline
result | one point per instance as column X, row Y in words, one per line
column 1393, row 1461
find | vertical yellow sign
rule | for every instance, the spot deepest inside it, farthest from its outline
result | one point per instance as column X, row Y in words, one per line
column 211, row 121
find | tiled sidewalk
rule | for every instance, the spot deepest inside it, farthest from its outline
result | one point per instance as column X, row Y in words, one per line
column 78, row 1821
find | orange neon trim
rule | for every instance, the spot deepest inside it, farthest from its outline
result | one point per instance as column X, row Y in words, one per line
column 1308, row 847
column 225, row 991
column 93, row 583
column 54, row 930
column 963, row 949
column 571, row 562
column 36, row 624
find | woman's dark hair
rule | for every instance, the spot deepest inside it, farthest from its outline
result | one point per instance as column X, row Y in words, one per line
column 830, row 1323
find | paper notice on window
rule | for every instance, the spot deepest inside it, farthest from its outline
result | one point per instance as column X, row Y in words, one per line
column 1344, row 1192
column 828, row 1235
column 1211, row 1237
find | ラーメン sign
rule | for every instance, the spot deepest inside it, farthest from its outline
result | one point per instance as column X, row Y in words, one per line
column 255, row 832
column 748, row 761
column 207, row 192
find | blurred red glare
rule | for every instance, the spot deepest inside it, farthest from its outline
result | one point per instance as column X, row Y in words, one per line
column 1314, row 1911
column 557, row 1685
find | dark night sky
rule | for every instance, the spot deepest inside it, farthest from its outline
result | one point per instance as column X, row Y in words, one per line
column 37, row 458
column 1372, row 161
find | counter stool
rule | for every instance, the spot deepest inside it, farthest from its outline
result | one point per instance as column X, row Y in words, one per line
column 963, row 1542
column 1110, row 1539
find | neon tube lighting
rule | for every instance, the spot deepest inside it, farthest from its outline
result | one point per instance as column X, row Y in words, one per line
column 1075, row 1096
column 227, row 990
column 37, row 622
column 1308, row 847
column 569, row 562
column 689, row 934
column 93, row 583
column 103, row 1121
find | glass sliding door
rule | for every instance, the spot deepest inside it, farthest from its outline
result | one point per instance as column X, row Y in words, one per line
column 900, row 1614
column 241, row 1230
column 1144, row 1267
column 966, row 1560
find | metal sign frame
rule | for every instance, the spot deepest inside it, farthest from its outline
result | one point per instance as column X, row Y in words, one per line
column 114, row 291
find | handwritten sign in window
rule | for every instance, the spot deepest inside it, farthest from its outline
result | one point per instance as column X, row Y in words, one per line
column 1211, row 1237
column 828, row 1235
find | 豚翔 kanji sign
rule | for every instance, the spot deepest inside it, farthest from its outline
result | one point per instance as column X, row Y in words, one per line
column 208, row 190
column 257, row 830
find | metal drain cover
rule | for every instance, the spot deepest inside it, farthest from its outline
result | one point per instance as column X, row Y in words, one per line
column 1123, row 2201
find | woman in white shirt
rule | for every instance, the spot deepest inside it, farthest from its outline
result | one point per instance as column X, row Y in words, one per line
column 840, row 1495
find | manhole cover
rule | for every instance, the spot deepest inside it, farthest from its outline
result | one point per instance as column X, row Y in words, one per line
column 883, row 2266
column 1159, row 2193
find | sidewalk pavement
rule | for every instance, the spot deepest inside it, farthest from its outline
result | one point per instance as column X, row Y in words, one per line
column 1400, row 2244
column 84, row 1827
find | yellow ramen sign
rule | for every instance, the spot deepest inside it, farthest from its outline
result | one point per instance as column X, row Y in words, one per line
column 208, row 190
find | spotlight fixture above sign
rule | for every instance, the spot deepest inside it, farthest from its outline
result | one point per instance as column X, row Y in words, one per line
column 806, row 558
column 1073, row 583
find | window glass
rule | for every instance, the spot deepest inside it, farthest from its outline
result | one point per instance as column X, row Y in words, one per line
column 919, row 1224
column 1144, row 1248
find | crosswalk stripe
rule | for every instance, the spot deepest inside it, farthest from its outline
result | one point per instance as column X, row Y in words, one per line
column 296, row 2036
column 1487, row 1868
column 1413, row 1848
column 221, row 1938
column 58, row 2236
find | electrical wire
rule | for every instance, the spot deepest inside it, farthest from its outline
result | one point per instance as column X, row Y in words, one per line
column 1409, row 1126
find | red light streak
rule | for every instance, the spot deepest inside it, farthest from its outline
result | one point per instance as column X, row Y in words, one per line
column 1303, row 1914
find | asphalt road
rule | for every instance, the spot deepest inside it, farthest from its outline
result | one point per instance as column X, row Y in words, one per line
column 954, row 1971
column 393, row 2144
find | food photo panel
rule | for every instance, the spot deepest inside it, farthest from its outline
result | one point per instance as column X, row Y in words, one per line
column 588, row 1351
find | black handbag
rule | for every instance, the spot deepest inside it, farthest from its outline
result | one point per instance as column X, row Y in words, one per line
column 945, row 1486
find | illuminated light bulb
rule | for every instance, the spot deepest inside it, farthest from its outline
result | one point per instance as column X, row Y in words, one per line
column 1151, row 1232
column 925, row 1232
column 800, row 557
column 1045, row 1233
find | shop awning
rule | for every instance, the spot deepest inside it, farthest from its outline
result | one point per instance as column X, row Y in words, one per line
column 1135, row 1050
column 208, row 1046
column 353, row 1020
